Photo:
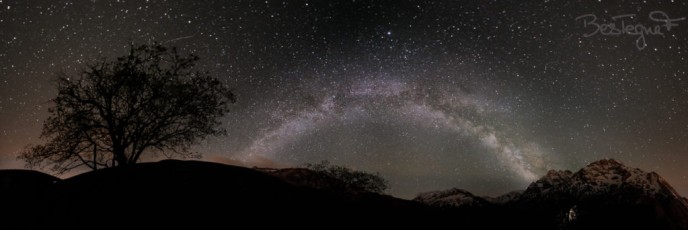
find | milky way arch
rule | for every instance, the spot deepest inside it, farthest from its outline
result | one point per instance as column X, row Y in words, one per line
column 411, row 105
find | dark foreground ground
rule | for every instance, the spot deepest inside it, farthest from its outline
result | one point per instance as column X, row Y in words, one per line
column 193, row 195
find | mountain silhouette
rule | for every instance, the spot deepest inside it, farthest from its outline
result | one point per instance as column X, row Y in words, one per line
column 604, row 194
column 192, row 194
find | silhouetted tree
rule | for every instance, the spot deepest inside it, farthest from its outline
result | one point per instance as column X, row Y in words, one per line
column 352, row 178
column 147, row 102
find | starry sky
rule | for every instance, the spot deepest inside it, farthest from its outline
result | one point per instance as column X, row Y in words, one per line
column 481, row 95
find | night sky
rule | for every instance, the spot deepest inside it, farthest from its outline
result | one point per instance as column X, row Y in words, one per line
column 480, row 95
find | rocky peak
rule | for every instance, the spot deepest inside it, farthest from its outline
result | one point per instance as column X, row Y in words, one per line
column 450, row 198
column 505, row 198
column 552, row 180
column 607, row 170
column 558, row 175
column 606, row 163
column 602, row 174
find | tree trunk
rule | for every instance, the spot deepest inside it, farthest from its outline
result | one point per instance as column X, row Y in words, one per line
column 120, row 157
column 95, row 159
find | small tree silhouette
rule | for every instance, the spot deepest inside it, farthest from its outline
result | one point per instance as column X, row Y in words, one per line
column 147, row 102
column 354, row 179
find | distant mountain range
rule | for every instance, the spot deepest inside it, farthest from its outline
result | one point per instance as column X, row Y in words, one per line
column 192, row 194
column 603, row 194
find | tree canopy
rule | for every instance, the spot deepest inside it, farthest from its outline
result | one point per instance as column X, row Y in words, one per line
column 354, row 179
column 150, row 101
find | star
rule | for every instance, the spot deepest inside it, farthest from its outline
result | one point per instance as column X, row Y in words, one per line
column 475, row 95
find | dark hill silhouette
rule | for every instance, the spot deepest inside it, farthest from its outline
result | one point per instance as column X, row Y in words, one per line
column 20, row 192
column 190, row 194
column 308, row 178
column 198, row 195
column 24, row 180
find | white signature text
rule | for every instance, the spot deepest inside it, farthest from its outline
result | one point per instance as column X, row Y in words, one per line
column 619, row 26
